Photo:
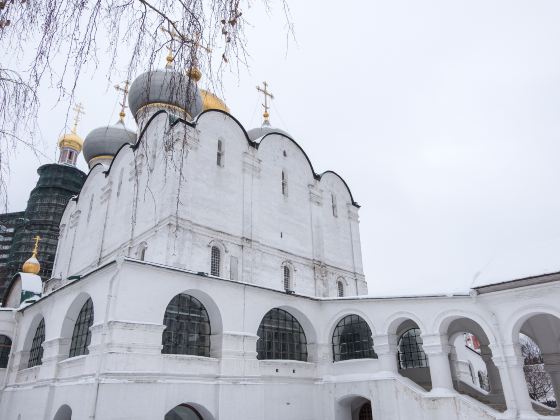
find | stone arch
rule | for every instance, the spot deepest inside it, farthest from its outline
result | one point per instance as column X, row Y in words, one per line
column 181, row 412
column 393, row 322
column 350, row 406
column 523, row 314
column 334, row 320
column 444, row 320
column 72, row 313
column 63, row 413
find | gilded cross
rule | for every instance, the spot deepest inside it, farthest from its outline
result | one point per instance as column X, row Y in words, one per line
column 36, row 247
column 124, row 91
column 79, row 110
column 183, row 40
column 267, row 95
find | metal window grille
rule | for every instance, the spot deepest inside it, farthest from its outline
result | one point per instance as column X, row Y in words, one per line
column 410, row 351
column 36, row 352
column 220, row 154
column 5, row 347
column 81, row 336
column 340, row 288
column 334, row 207
column 352, row 339
column 483, row 381
column 281, row 337
column 215, row 259
column 284, row 184
column 365, row 412
column 187, row 327
column 287, row 278
column 183, row 411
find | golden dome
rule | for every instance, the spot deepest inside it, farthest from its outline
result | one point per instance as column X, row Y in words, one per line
column 31, row 266
column 211, row 101
column 71, row 140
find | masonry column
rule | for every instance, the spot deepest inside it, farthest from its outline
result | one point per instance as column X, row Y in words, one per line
column 552, row 366
column 514, row 385
column 436, row 348
column 494, row 379
column 385, row 346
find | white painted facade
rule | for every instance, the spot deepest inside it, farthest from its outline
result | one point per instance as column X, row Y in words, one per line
column 141, row 232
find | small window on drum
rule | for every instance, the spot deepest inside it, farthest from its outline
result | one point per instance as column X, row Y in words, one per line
column 284, row 184
column 220, row 155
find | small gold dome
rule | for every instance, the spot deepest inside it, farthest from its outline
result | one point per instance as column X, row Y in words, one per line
column 211, row 101
column 31, row 266
column 194, row 74
column 71, row 140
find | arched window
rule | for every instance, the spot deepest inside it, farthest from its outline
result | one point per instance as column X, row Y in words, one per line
column 410, row 352
column 352, row 339
column 284, row 184
column 36, row 352
column 281, row 337
column 287, row 278
column 183, row 412
column 340, row 288
column 365, row 412
column 81, row 336
column 187, row 327
column 334, row 207
column 142, row 251
column 220, row 154
column 5, row 347
column 215, row 261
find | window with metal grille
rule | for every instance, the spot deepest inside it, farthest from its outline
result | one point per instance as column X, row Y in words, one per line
column 81, row 337
column 36, row 352
column 284, row 184
column 352, row 339
column 5, row 347
column 410, row 352
column 187, row 327
column 220, row 154
column 334, row 207
column 215, row 260
column 365, row 412
column 340, row 288
column 287, row 278
column 281, row 337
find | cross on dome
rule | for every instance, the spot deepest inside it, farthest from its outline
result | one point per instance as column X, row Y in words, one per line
column 266, row 95
column 124, row 91
column 79, row 110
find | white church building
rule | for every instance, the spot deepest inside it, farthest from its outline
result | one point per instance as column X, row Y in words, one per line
column 210, row 272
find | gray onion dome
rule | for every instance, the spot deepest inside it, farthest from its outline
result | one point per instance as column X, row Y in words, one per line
column 167, row 87
column 106, row 141
column 258, row 132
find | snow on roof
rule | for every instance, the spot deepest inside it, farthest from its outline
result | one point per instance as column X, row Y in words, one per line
column 528, row 261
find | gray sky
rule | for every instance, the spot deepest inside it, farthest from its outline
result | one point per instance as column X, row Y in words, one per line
column 442, row 116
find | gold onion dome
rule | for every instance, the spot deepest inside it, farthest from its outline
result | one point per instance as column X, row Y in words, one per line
column 211, row 101
column 32, row 266
column 71, row 140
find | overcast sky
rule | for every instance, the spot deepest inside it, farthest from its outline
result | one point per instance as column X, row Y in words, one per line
column 442, row 116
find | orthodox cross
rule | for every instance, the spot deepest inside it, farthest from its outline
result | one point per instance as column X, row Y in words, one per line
column 79, row 110
column 36, row 247
column 124, row 91
column 267, row 95
column 181, row 38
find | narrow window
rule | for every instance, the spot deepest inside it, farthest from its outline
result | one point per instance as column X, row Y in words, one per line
column 215, row 258
column 233, row 267
column 120, row 182
column 284, row 184
column 340, row 288
column 36, row 352
column 142, row 252
column 5, row 348
column 334, row 207
column 287, row 278
column 220, row 154
column 90, row 209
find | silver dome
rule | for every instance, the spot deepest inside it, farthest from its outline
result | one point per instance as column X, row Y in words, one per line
column 106, row 141
column 167, row 87
column 256, row 133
